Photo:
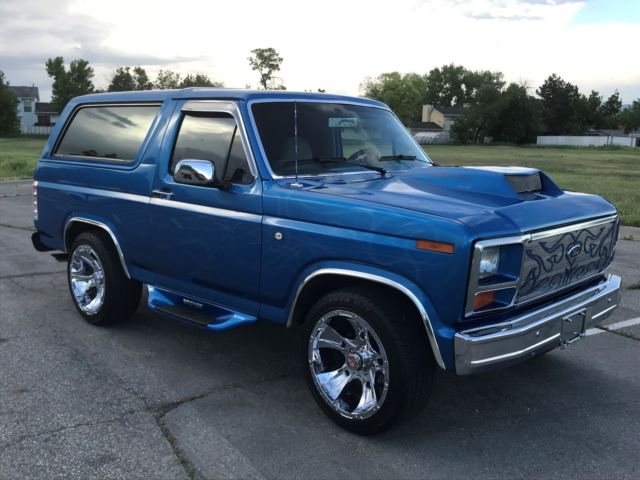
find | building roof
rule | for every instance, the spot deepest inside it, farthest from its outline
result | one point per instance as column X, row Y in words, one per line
column 426, row 126
column 25, row 92
column 46, row 107
column 612, row 132
column 450, row 110
column 219, row 93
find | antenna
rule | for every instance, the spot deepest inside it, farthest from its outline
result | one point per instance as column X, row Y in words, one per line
column 295, row 184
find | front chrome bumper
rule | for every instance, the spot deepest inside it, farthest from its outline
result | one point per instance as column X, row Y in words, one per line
column 561, row 323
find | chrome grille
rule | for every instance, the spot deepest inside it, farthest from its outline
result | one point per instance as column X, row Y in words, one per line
column 563, row 257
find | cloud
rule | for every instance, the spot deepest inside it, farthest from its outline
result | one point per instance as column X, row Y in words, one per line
column 525, row 39
column 492, row 16
column 32, row 31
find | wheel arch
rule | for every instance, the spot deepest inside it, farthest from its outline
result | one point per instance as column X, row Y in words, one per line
column 324, row 280
column 77, row 225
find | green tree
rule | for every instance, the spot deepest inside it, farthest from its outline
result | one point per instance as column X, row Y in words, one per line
column 562, row 107
column 9, row 124
column 141, row 79
column 629, row 118
column 199, row 80
column 479, row 120
column 403, row 93
column 167, row 79
column 455, row 85
column 592, row 110
column 124, row 81
column 266, row 61
column 612, row 106
column 519, row 116
column 511, row 115
column 70, row 83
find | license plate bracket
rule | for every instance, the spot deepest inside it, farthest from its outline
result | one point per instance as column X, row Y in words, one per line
column 573, row 327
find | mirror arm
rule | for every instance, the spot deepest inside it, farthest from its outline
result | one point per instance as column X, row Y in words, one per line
column 221, row 185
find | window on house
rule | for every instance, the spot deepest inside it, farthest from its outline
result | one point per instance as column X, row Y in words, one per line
column 27, row 104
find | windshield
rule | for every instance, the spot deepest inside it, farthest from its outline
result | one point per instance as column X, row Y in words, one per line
column 334, row 138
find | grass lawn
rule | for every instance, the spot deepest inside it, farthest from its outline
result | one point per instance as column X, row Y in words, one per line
column 18, row 156
column 611, row 173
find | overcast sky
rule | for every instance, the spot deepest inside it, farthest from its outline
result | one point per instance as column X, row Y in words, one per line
column 329, row 44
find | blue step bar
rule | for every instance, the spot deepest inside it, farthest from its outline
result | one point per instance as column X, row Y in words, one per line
column 195, row 311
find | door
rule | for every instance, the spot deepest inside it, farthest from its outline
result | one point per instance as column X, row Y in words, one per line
column 205, row 241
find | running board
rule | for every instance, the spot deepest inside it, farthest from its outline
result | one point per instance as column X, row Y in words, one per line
column 195, row 311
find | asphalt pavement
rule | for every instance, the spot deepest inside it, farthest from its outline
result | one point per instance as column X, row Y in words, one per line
column 153, row 398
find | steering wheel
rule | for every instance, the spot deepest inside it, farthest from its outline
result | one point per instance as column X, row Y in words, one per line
column 360, row 153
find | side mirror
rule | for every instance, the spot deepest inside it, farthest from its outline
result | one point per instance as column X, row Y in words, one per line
column 198, row 172
column 195, row 172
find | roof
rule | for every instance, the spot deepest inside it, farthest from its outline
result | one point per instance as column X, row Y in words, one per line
column 450, row 110
column 426, row 126
column 46, row 107
column 612, row 132
column 25, row 92
column 218, row 93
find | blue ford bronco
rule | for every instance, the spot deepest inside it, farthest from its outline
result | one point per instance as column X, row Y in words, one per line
column 320, row 212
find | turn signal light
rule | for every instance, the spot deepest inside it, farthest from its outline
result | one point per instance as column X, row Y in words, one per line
column 432, row 246
column 483, row 299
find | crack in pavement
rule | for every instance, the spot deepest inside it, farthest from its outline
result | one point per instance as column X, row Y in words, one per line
column 619, row 332
column 17, row 227
column 50, row 433
column 160, row 411
column 31, row 274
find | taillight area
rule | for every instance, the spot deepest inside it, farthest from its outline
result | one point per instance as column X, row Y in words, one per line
column 34, row 192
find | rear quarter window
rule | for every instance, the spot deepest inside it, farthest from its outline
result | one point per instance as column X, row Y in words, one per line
column 113, row 132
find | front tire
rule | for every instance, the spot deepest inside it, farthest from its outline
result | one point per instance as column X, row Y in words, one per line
column 366, row 359
column 100, row 290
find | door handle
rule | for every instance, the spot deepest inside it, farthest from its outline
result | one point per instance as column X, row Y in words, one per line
column 164, row 194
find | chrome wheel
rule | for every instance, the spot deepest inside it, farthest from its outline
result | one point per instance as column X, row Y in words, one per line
column 86, row 277
column 348, row 364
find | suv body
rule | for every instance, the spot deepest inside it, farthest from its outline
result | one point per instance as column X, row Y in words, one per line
column 233, row 206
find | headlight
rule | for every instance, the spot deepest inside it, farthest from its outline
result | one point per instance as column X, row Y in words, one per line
column 489, row 262
column 495, row 274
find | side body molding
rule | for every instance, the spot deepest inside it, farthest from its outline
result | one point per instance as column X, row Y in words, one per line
column 103, row 227
column 378, row 279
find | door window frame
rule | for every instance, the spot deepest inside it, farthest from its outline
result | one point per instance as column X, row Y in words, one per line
column 213, row 107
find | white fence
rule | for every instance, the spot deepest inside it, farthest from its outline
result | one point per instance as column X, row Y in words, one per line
column 586, row 141
column 36, row 130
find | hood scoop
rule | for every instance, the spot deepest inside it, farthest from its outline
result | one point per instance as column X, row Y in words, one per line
column 530, row 183
column 515, row 183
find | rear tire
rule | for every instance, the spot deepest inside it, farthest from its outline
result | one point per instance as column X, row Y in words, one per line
column 350, row 333
column 99, row 288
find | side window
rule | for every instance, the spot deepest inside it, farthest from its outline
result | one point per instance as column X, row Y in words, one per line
column 108, row 132
column 214, row 137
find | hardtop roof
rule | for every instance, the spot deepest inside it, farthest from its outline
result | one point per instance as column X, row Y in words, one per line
column 216, row 93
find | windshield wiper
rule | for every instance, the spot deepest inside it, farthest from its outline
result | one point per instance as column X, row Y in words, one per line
column 344, row 160
column 397, row 157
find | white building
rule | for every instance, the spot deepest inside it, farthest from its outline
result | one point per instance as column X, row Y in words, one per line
column 27, row 98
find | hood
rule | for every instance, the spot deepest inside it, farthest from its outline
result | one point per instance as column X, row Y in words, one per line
column 490, row 200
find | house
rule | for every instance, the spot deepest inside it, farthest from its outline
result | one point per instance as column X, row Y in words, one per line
column 47, row 114
column 444, row 117
column 27, row 98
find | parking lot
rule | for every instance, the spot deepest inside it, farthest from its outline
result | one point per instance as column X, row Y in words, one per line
column 153, row 398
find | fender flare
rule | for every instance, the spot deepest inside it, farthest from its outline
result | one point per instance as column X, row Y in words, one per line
column 384, row 280
column 102, row 226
